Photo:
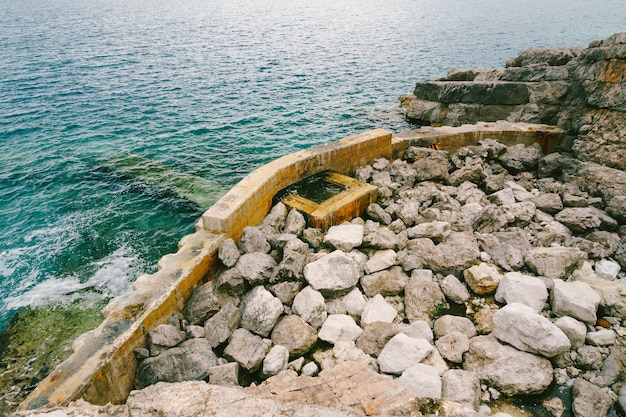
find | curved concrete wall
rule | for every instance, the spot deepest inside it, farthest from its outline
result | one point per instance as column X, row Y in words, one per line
column 103, row 365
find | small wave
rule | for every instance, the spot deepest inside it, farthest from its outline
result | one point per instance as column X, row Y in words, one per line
column 10, row 260
column 112, row 278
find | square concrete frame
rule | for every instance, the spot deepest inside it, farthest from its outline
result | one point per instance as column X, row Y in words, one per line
column 344, row 206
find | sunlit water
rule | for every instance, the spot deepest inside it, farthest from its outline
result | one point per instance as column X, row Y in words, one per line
column 211, row 89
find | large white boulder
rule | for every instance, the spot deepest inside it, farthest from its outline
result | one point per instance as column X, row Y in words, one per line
column 523, row 289
column 345, row 236
column 311, row 306
column 338, row 328
column 333, row 275
column 261, row 311
column 576, row 299
column 520, row 326
column 377, row 309
column 423, row 380
column 507, row 369
column 402, row 352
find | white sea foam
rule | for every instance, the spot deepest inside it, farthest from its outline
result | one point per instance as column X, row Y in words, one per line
column 112, row 278
column 10, row 260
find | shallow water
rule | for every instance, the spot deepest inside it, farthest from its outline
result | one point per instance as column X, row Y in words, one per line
column 207, row 90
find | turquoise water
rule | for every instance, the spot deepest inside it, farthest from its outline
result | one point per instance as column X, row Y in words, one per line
column 208, row 89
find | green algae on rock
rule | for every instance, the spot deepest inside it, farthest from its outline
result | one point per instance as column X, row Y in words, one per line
column 34, row 343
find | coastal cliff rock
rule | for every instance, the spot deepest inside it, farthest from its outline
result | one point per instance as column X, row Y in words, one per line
column 582, row 90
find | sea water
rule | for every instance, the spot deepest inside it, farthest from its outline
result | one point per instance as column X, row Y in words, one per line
column 206, row 90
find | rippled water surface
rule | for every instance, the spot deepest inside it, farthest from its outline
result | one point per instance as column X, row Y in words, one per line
column 206, row 89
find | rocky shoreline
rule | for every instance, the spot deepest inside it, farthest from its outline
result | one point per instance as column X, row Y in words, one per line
column 489, row 273
column 581, row 90
column 476, row 276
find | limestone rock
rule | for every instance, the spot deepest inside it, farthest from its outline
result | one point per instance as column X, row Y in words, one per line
column 521, row 158
column 333, row 275
column 473, row 171
column 389, row 282
column 419, row 329
column 310, row 369
column 482, row 278
column 507, row 369
column 422, row 380
column 200, row 398
column 416, row 254
column 193, row 332
column 573, row 329
column 349, row 388
column 354, row 302
column 295, row 255
column 382, row 238
column 450, row 324
column 204, row 302
column 219, row 327
column 347, row 351
column 503, row 197
column 607, row 269
column 484, row 319
column 227, row 374
column 437, row 231
column 452, row 346
column 554, row 406
column 260, row 311
column 491, row 219
column 377, row 309
column 230, row 282
column 429, row 164
column 381, row 260
column 422, row 296
column 310, row 305
column 589, row 357
column 528, row 331
column 228, row 253
column 339, row 327
column 190, row 361
column 602, row 337
column 555, row 262
column 402, row 352
column 286, row 291
column 622, row 398
column 274, row 222
column 375, row 336
column 295, row 334
column 576, row 299
column 523, row 289
column 548, row 202
column 295, row 223
column 163, row 337
column 613, row 296
column 256, row 268
column 590, row 400
column 458, row 252
column 462, row 387
column 275, row 360
column 520, row 214
column 454, row 290
column 253, row 240
column 313, row 237
column 247, row 349
column 579, row 219
column 345, row 236
column 617, row 207
column 377, row 213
